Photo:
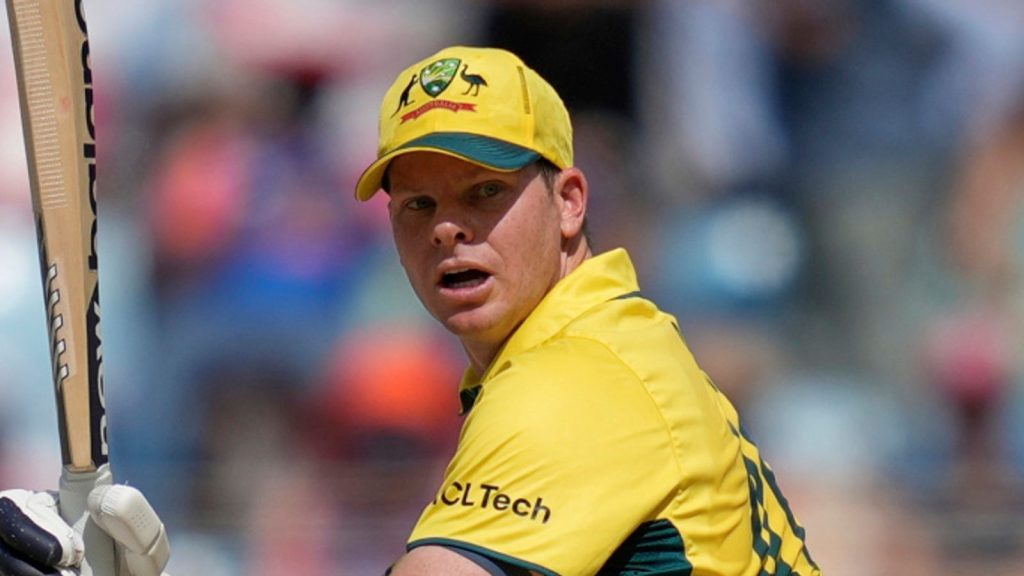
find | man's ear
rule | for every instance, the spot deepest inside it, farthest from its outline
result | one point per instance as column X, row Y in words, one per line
column 572, row 190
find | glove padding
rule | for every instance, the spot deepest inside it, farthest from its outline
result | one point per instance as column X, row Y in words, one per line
column 36, row 541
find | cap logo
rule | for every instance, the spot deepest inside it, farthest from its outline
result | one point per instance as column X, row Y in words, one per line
column 437, row 76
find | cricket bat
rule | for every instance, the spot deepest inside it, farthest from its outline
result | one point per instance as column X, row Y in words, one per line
column 52, row 60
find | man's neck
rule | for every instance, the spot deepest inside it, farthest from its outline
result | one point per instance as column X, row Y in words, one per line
column 479, row 359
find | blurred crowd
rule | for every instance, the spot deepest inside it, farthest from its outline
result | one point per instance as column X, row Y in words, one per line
column 828, row 194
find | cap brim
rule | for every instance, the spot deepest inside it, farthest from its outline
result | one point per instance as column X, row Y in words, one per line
column 487, row 152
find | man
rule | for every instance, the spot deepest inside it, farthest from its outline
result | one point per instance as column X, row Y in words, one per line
column 592, row 442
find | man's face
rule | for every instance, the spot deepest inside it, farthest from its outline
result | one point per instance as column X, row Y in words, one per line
column 481, row 248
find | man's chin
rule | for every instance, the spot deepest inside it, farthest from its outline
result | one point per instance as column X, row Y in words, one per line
column 474, row 325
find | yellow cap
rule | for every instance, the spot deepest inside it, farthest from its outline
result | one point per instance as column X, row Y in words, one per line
column 482, row 105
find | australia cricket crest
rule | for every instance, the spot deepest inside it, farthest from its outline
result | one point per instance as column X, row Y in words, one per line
column 436, row 76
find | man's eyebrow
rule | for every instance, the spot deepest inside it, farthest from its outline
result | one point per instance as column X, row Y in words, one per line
column 401, row 191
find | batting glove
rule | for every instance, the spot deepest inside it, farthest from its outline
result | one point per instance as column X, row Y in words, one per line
column 36, row 541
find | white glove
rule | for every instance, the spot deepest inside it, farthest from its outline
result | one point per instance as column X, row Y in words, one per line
column 36, row 541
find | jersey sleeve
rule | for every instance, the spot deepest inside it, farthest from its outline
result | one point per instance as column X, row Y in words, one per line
column 562, row 456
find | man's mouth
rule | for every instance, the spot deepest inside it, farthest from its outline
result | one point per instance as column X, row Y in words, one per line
column 464, row 278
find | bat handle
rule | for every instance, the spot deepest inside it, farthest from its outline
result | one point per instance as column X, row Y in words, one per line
column 100, row 558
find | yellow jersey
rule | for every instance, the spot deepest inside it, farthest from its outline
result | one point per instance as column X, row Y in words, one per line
column 594, row 444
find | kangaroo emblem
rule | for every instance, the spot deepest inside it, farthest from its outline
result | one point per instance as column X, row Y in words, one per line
column 404, row 100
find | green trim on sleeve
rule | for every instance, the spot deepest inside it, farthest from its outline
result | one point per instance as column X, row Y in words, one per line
column 451, row 543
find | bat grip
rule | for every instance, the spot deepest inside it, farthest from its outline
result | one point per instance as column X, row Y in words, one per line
column 100, row 558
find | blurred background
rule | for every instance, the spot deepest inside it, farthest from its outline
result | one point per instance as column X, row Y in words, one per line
column 828, row 194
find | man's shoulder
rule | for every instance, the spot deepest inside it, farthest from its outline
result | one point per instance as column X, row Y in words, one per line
column 630, row 330
column 624, row 348
column 591, row 357
column 563, row 361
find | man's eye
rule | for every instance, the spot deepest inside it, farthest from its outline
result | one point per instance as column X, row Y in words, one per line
column 418, row 203
column 488, row 189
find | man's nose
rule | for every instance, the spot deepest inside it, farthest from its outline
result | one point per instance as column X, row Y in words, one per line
column 449, row 232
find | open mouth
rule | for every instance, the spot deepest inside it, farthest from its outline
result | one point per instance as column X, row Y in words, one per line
column 464, row 278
